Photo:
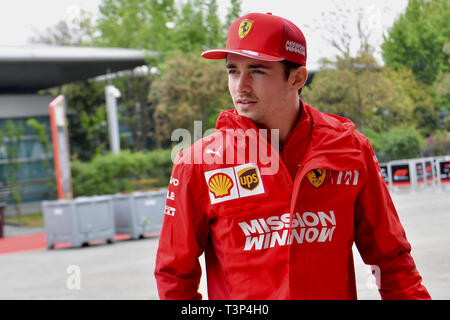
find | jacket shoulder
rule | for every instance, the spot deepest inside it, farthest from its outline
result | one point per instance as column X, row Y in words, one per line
column 329, row 120
column 337, row 132
column 194, row 154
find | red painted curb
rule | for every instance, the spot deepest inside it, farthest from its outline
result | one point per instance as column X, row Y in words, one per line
column 37, row 241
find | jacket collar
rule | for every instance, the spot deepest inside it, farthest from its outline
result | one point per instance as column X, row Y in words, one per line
column 330, row 134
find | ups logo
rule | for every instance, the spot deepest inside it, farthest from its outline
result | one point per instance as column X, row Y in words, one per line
column 248, row 178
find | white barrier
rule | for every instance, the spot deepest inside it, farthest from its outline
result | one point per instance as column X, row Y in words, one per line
column 443, row 172
column 417, row 174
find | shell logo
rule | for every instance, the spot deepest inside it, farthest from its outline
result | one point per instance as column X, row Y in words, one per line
column 220, row 185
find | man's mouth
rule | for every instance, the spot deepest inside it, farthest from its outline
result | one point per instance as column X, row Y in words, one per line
column 245, row 102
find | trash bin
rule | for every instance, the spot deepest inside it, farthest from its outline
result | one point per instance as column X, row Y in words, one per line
column 139, row 212
column 79, row 220
column 2, row 217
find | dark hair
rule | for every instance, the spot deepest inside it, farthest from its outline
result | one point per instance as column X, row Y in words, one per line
column 288, row 67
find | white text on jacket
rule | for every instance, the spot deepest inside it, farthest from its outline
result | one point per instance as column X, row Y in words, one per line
column 274, row 231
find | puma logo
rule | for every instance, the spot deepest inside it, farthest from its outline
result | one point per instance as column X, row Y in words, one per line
column 217, row 153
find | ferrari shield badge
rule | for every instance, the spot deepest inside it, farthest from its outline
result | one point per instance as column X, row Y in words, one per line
column 316, row 177
column 244, row 28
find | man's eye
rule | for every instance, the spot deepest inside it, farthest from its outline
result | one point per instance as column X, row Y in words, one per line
column 258, row 72
column 231, row 71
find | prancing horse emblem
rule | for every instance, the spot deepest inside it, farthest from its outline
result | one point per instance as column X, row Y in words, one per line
column 244, row 28
column 316, row 177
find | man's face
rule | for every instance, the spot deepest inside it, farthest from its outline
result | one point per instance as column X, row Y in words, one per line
column 259, row 88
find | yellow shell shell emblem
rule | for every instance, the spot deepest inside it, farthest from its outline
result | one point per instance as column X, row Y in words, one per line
column 244, row 28
column 316, row 177
column 220, row 185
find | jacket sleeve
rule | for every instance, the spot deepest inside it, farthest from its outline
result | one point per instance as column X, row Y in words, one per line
column 183, row 237
column 381, row 239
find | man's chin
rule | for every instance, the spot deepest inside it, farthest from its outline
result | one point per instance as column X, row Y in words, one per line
column 247, row 113
column 250, row 115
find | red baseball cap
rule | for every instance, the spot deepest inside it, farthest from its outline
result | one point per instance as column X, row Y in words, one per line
column 263, row 37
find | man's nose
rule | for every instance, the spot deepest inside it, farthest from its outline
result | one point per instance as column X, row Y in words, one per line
column 244, row 84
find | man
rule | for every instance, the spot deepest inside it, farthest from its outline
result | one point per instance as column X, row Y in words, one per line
column 281, row 231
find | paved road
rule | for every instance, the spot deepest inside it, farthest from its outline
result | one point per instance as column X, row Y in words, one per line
column 124, row 270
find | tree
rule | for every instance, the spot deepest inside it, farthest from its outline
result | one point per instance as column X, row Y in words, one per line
column 215, row 37
column 438, row 144
column 12, row 145
column 190, row 26
column 88, row 132
column 135, row 109
column 416, row 93
column 359, row 89
column 189, row 89
column 41, row 131
column 234, row 12
column 79, row 30
column 353, row 85
column 348, row 28
column 442, row 84
column 417, row 38
column 402, row 143
column 160, row 25
column 137, row 24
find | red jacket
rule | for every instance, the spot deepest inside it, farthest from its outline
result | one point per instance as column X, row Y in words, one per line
column 285, row 235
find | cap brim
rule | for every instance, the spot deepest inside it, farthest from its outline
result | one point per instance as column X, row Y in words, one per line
column 222, row 54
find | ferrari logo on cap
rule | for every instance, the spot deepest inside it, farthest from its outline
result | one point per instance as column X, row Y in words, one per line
column 244, row 28
column 316, row 177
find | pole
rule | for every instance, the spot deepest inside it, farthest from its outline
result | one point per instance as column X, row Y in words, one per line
column 112, row 93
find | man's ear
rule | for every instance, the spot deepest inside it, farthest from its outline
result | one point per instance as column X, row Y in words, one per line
column 298, row 78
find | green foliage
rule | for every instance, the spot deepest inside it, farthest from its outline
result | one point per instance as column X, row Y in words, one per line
column 234, row 12
column 189, row 89
column 376, row 140
column 417, row 38
column 358, row 89
column 419, row 95
column 136, row 111
column 41, row 131
column 161, row 25
column 402, row 142
column 438, row 144
column 14, row 135
column 139, row 24
column 110, row 173
column 441, row 86
column 88, row 132
column 215, row 37
column 447, row 123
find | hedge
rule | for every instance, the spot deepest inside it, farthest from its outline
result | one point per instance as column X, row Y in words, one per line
column 111, row 173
